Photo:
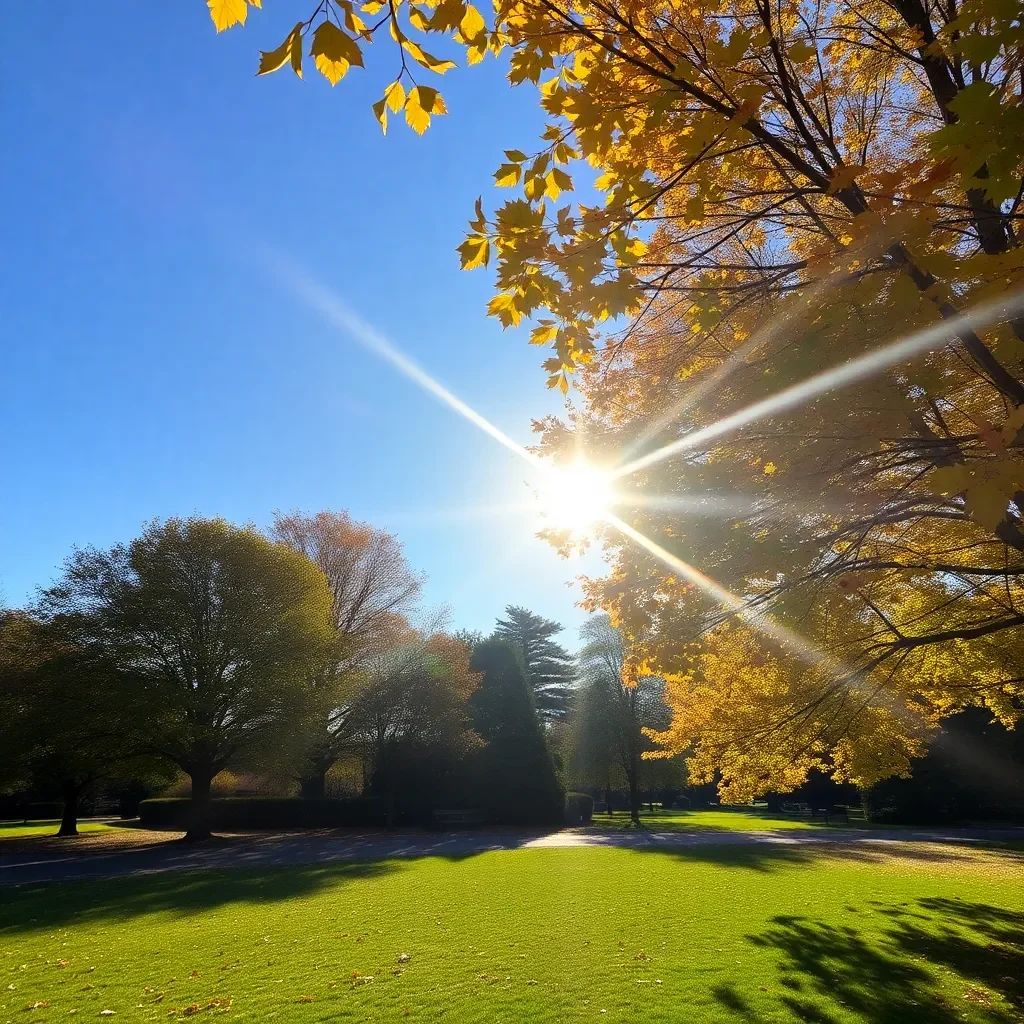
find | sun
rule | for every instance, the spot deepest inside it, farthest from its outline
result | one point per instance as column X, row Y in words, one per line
column 575, row 496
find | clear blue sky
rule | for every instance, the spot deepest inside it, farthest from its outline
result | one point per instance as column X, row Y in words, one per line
column 152, row 362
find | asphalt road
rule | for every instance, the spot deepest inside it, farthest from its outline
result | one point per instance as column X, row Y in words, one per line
column 25, row 868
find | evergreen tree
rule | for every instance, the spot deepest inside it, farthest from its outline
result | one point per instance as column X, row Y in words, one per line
column 550, row 668
column 515, row 774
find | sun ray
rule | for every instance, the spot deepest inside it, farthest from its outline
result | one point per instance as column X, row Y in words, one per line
column 338, row 313
column 867, row 365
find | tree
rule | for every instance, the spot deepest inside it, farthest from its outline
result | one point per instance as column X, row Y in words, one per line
column 219, row 630
column 514, row 773
column 613, row 712
column 787, row 186
column 412, row 720
column 550, row 668
column 68, row 718
column 372, row 590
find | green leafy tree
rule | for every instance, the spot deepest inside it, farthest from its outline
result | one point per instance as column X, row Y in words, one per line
column 218, row 628
column 68, row 718
column 514, row 772
column 550, row 668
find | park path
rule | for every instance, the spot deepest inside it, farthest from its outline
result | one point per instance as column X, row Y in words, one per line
column 276, row 850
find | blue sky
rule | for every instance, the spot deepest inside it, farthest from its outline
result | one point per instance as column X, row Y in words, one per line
column 153, row 363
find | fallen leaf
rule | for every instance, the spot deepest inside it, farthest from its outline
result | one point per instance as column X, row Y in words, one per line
column 305, row 999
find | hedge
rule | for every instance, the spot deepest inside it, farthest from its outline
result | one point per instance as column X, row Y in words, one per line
column 263, row 812
column 579, row 808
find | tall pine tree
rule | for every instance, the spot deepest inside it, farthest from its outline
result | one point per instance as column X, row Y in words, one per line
column 550, row 668
column 515, row 775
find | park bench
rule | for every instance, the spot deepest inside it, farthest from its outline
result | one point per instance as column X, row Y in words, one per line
column 835, row 813
column 457, row 818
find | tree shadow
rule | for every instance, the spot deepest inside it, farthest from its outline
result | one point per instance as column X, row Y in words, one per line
column 35, row 908
column 831, row 971
column 767, row 855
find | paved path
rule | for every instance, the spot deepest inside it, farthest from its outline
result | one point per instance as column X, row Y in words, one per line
column 281, row 850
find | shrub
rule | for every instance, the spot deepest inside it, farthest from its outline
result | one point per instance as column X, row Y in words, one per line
column 263, row 812
column 579, row 808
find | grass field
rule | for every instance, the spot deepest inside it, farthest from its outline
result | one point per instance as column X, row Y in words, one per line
column 23, row 830
column 733, row 934
column 714, row 821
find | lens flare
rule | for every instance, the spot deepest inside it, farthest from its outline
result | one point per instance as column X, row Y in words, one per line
column 575, row 496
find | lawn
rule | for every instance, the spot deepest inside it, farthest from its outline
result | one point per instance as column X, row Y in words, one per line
column 25, row 830
column 730, row 934
column 715, row 821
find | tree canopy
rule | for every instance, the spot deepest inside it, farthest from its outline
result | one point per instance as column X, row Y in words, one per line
column 372, row 591
column 784, row 187
column 218, row 629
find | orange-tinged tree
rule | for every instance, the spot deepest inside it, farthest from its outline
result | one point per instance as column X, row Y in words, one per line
column 785, row 186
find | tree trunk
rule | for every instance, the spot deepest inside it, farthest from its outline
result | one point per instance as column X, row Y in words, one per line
column 199, row 812
column 69, row 819
column 608, row 798
column 634, row 789
column 313, row 786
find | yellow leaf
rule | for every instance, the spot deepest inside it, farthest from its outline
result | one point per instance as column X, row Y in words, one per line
column 507, row 174
column 987, row 504
column 427, row 60
column 695, row 208
column 472, row 24
column 394, row 96
column 949, row 479
column 562, row 180
column 517, row 156
column 418, row 18
column 422, row 102
column 372, row 7
column 474, row 252
column 801, row 51
column 380, row 112
column 334, row 51
column 503, row 307
column 543, row 334
column 843, row 177
column 275, row 59
column 295, row 52
column 769, row 468
column 226, row 13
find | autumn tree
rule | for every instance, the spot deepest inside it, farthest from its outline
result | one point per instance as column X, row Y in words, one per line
column 372, row 591
column 785, row 187
column 514, row 775
column 412, row 720
column 218, row 630
column 550, row 668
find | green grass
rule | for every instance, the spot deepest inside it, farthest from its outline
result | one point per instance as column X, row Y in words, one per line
column 730, row 934
column 22, row 830
column 715, row 821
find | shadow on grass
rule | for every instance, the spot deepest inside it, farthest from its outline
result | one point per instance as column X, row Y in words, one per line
column 768, row 856
column 828, row 972
column 36, row 907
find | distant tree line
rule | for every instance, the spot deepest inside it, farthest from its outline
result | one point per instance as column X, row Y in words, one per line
column 201, row 647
